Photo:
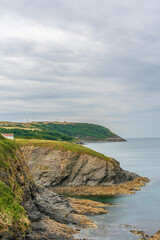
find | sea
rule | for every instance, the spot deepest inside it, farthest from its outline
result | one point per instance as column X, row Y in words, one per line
column 139, row 211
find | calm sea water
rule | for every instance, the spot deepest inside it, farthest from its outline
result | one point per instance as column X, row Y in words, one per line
column 141, row 210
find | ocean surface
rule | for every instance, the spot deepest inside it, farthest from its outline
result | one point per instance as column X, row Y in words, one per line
column 139, row 211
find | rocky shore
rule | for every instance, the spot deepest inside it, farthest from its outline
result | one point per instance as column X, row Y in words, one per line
column 123, row 188
column 87, row 207
column 79, row 174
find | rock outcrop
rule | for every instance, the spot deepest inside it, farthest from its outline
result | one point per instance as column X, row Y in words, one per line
column 123, row 188
column 52, row 168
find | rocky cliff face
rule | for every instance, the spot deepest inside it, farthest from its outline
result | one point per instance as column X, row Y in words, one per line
column 52, row 168
column 29, row 211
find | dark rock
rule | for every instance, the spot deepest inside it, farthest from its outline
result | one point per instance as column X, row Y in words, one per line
column 52, row 205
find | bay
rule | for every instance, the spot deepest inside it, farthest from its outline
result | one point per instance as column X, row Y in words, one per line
column 139, row 211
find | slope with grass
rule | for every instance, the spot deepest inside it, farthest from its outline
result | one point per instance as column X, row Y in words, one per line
column 13, row 219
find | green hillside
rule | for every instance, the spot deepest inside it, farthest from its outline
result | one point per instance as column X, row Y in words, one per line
column 59, row 131
column 82, row 131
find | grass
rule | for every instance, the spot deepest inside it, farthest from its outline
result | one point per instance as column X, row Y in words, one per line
column 12, row 215
column 64, row 146
column 6, row 152
column 11, row 212
column 8, row 203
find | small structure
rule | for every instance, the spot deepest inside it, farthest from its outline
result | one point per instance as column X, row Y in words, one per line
column 8, row 135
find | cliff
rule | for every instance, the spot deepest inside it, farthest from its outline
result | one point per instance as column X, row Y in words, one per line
column 29, row 211
column 75, row 170
column 30, row 208
column 51, row 167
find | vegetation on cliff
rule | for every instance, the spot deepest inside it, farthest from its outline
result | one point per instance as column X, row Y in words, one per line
column 12, row 215
column 59, row 131
column 64, row 146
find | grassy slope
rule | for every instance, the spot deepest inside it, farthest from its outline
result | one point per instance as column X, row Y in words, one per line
column 64, row 146
column 12, row 215
column 58, row 131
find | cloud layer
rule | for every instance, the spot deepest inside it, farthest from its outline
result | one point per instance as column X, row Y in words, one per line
column 90, row 61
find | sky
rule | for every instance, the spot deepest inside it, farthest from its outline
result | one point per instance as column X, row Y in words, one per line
column 83, row 61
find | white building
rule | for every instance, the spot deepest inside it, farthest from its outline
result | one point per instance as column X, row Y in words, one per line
column 9, row 136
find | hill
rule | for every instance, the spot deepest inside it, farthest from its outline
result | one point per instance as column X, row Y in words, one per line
column 60, row 131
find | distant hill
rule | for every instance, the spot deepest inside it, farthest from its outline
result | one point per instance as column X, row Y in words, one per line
column 61, row 131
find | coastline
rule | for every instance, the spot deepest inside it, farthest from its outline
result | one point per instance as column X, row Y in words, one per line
column 54, row 215
column 72, row 171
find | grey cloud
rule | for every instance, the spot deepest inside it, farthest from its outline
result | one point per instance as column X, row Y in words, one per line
column 84, row 60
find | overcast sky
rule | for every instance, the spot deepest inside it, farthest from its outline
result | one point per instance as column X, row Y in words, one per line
column 82, row 60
